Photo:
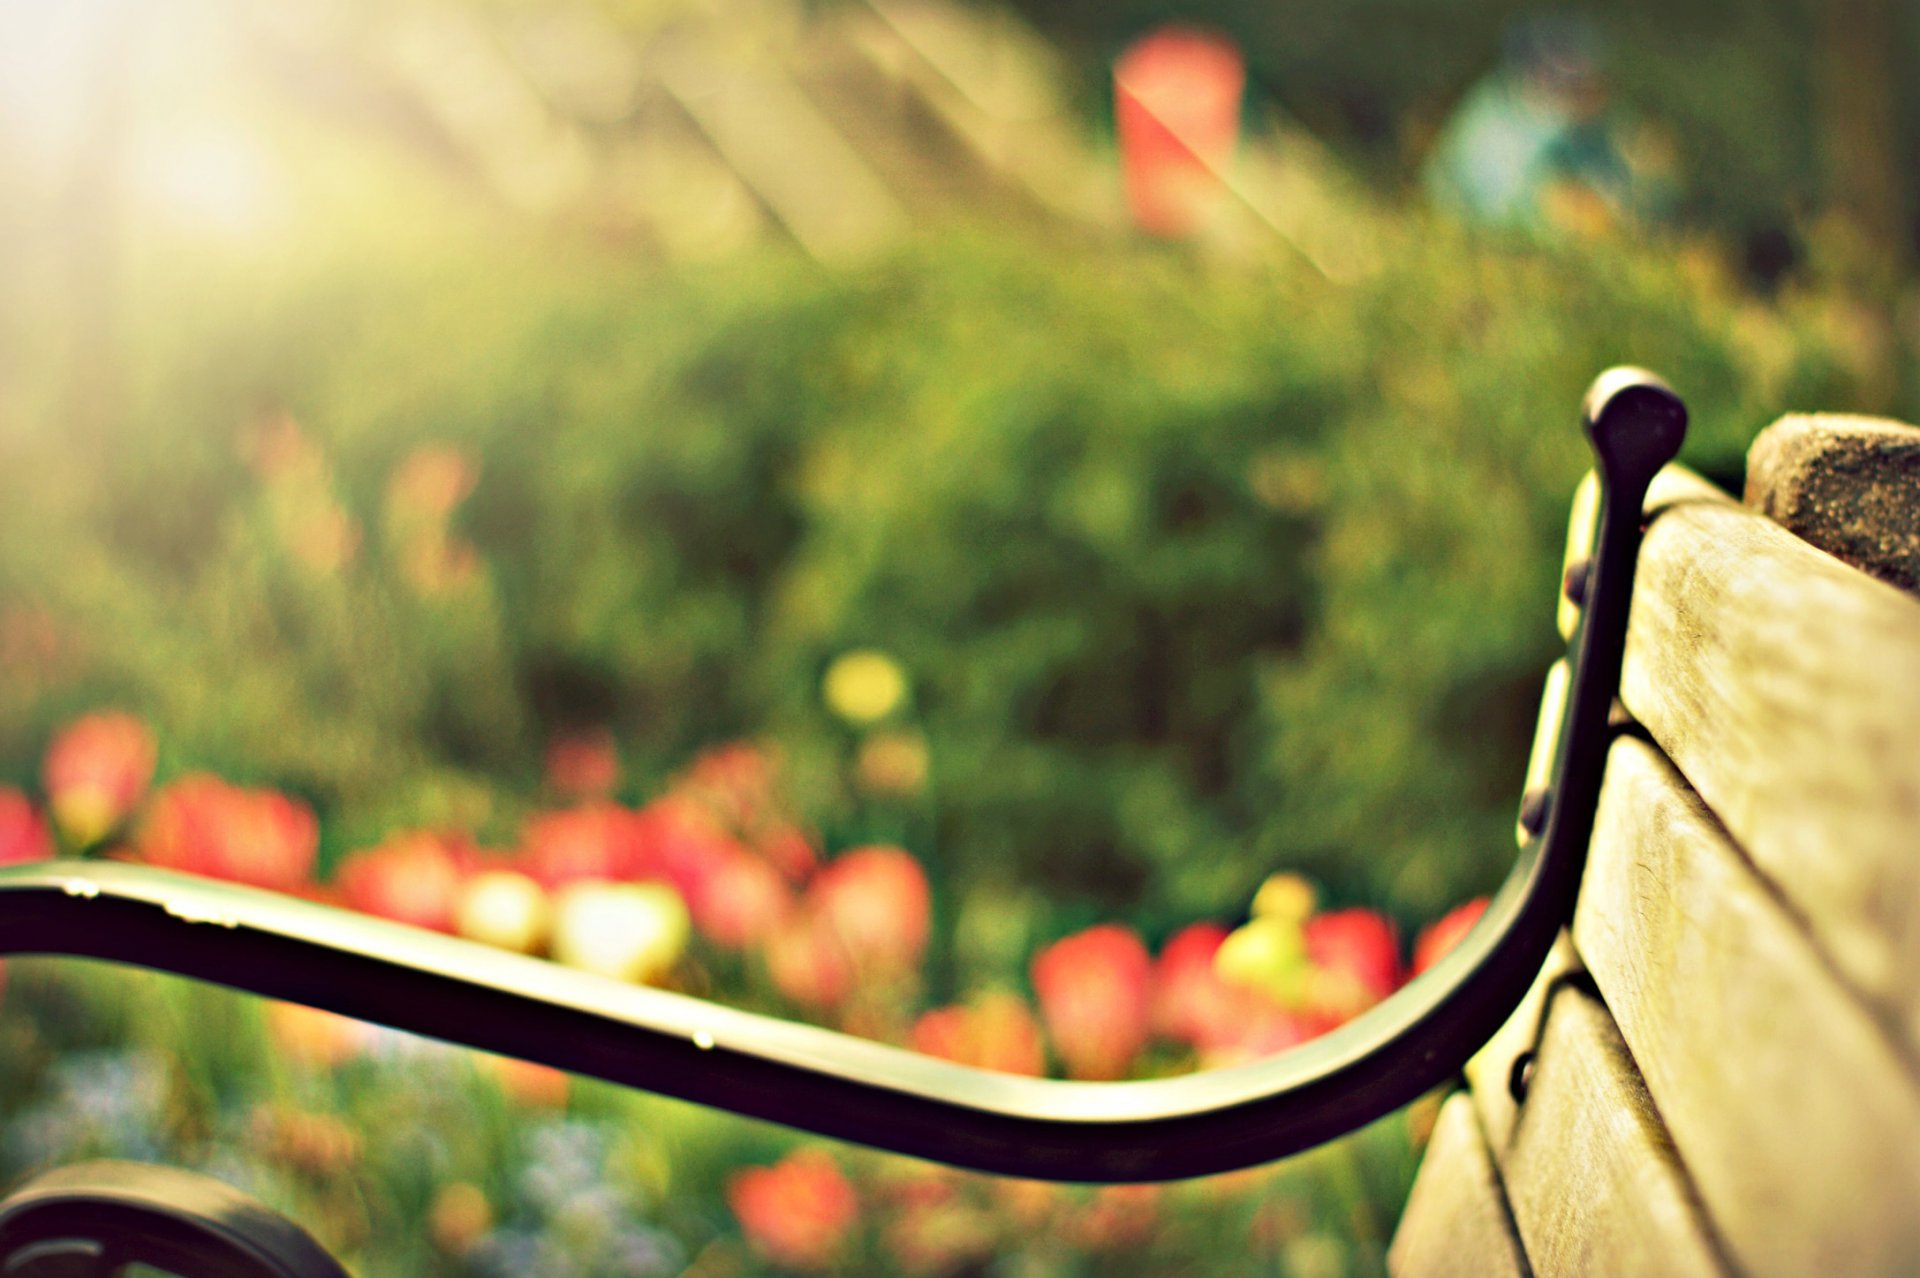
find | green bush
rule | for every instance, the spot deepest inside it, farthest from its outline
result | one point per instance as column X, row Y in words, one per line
column 1197, row 569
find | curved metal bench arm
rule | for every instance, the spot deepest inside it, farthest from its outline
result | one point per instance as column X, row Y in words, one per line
column 858, row 1090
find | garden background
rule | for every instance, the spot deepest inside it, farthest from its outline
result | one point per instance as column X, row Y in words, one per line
column 456, row 457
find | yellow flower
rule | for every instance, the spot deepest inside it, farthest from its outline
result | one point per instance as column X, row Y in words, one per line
column 1268, row 955
column 864, row 686
column 503, row 908
column 1285, row 896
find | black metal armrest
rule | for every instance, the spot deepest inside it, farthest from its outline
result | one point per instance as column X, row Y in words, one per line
column 878, row 1095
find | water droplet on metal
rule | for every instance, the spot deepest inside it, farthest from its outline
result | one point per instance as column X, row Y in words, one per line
column 85, row 889
column 703, row 1040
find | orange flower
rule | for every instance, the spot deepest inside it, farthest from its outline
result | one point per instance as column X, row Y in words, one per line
column 23, row 833
column 530, row 1083
column 995, row 1031
column 411, row 878
column 1094, row 990
column 1438, row 939
column 796, row 1213
column 430, row 482
column 96, row 770
column 203, row 825
column 319, row 1039
column 875, row 900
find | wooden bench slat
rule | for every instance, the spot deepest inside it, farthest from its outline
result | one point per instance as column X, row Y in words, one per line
column 1456, row 1224
column 1491, row 1068
column 1796, row 1116
column 1591, row 1174
column 1786, row 687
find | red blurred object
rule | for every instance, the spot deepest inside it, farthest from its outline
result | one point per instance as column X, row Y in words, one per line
column 203, row 825
column 790, row 851
column 736, row 781
column 875, row 901
column 410, row 878
column 1356, row 956
column 995, row 1032
column 23, row 831
column 598, row 841
column 1095, row 996
column 96, row 771
column 741, row 901
column 1176, row 102
column 796, row 1213
column 1225, row 1023
column 806, row 963
column 1189, row 1001
column 1448, row 932
column 583, row 765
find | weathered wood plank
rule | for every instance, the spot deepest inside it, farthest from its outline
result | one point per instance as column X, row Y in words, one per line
column 1786, row 687
column 1592, row 1177
column 1791, row 1108
column 1491, row 1070
column 1456, row 1224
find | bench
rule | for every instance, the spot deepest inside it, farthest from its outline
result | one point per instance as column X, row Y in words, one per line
column 1718, row 1069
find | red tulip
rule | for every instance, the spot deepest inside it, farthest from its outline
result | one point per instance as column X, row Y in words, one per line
column 1445, row 934
column 735, row 782
column 679, row 844
column 600, row 841
column 789, row 851
column 1356, row 961
column 583, row 765
column 203, row 825
column 807, row 963
column 995, row 1032
column 796, row 1213
column 411, row 878
column 875, row 901
column 741, row 901
column 1189, row 1000
column 96, row 770
column 23, row 832
column 1095, row 996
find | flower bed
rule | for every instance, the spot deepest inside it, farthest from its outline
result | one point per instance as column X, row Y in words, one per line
column 712, row 886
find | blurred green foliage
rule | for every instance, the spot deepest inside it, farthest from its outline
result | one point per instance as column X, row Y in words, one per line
column 1199, row 568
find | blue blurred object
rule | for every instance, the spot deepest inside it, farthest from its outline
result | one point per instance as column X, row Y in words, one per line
column 1537, row 127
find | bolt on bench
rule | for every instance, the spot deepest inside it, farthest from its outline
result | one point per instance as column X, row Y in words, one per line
column 1718, row 1069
